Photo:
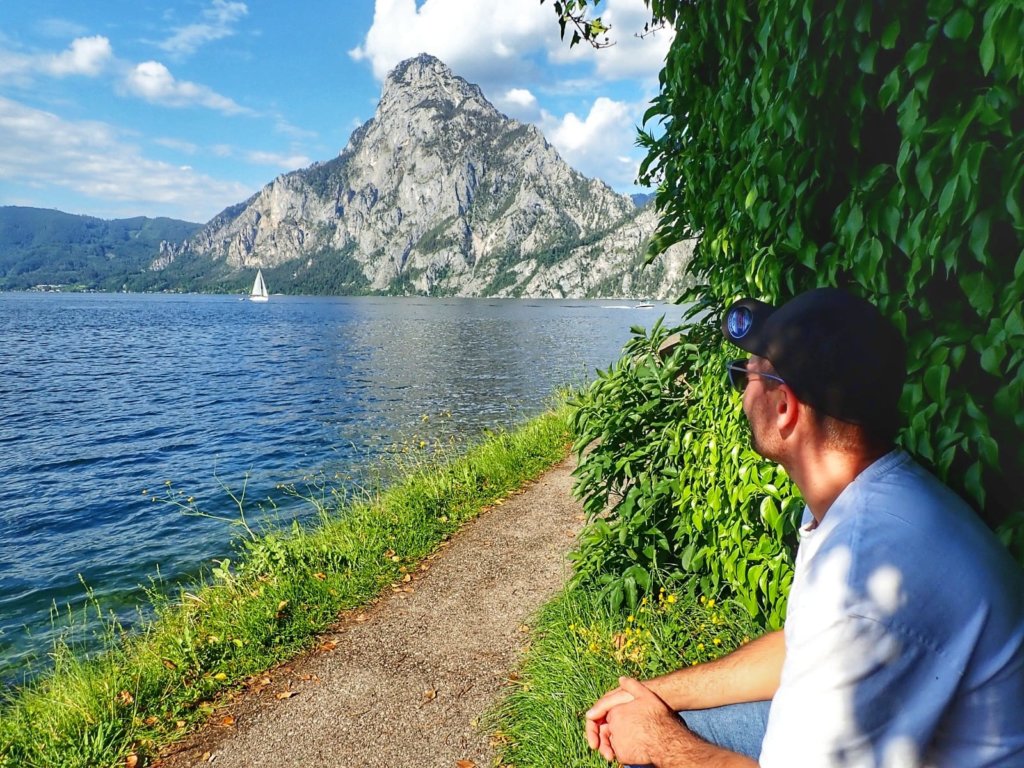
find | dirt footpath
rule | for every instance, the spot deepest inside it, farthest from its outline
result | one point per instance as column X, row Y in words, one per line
column 404, row 682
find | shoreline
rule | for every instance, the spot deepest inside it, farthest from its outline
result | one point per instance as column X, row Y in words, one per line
column 153, row 686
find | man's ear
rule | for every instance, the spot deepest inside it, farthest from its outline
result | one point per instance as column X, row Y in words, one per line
column 787, row 408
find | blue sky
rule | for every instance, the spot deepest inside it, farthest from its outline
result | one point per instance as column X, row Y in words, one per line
column 122, row 108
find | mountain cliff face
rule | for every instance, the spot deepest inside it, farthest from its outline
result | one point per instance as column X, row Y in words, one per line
column 439, row 193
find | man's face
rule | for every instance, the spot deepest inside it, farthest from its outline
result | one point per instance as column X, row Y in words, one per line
column 758, row 405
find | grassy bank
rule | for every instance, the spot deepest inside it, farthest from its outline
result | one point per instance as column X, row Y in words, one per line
column 579, row 650
column 117, row 708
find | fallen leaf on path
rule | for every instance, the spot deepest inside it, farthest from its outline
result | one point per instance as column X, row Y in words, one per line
column 429, row 695
column 361, row 617
column 131, row 761
column 328, row 645
column 227, row 721
column 286, row 694
column 407, row 578
column 465, row 764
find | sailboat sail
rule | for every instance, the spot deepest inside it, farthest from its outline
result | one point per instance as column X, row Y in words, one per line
column 259, row 288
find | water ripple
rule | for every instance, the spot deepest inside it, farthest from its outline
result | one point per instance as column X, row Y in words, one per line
column 103, row 397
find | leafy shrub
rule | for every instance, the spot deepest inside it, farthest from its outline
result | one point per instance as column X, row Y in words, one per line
column 874, row 147
column 672, row 487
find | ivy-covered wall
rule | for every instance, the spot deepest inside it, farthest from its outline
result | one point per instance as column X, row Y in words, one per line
column 877, row 147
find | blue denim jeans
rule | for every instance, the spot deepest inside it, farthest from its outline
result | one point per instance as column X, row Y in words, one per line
column 736, row 727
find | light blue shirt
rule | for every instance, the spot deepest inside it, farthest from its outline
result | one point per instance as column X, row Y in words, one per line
column 904, row 634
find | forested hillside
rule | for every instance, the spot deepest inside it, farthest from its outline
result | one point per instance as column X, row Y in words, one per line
column 46, row 247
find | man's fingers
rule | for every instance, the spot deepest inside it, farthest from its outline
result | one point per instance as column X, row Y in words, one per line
column 635, row 688
column 605, row 747
column 611, row 699
column 590, row 728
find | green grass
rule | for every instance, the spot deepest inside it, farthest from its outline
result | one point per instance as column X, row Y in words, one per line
column 149, row 686
column 579, row 650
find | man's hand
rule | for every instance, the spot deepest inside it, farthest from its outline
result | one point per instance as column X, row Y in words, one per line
column 596, row 728
column 632, row 724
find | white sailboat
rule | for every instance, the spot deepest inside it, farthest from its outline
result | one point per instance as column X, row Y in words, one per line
column 259, row 288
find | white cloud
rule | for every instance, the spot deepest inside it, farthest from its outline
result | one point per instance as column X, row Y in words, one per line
column 481, row 41
column 61, row 28
column 602, row 144
column 39, row 148
column 86, row 56
column 153, row 82
column 514, row 51
column 631, row 56
column 185, row 147
column 519, row 103
column 491, row 43
column 278, row 160
column 218, row 23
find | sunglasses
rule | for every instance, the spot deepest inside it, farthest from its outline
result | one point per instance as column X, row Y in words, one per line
column 739, row 376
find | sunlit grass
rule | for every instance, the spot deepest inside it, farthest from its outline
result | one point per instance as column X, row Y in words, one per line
column 579, row 650
column 119, row 706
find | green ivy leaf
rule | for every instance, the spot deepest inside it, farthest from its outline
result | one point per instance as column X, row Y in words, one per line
column 959, row 26
column 980, row 292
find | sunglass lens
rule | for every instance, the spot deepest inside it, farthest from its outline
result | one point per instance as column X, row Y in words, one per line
column 738, row 375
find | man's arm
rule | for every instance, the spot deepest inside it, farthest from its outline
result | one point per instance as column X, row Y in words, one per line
column 750, row 673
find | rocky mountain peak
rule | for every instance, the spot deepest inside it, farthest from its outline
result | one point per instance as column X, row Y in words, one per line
column 438, row 193
column 426, row 83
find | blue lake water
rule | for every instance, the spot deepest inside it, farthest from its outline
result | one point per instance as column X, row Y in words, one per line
column 103, row 397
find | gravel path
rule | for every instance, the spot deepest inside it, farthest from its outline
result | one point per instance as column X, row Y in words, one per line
column 404, row 682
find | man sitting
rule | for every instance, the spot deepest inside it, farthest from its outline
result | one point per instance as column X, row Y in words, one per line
column 904, row 636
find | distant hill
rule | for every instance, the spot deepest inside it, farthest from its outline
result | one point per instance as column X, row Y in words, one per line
column 47, row 247
column 640, row 199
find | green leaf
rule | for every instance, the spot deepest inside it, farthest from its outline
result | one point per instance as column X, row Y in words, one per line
column 992, row 360
column 980, row 228
column 890, row 34
column 936, row 378
column 923, row 173
column 980, row 292
column 987, row 52
column 946, row 196
column 866, row 63
column 959, row 26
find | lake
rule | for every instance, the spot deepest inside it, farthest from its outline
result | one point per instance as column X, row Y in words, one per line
column 107, row 398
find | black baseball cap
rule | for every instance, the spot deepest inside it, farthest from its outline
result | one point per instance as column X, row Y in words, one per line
column 835, row 351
